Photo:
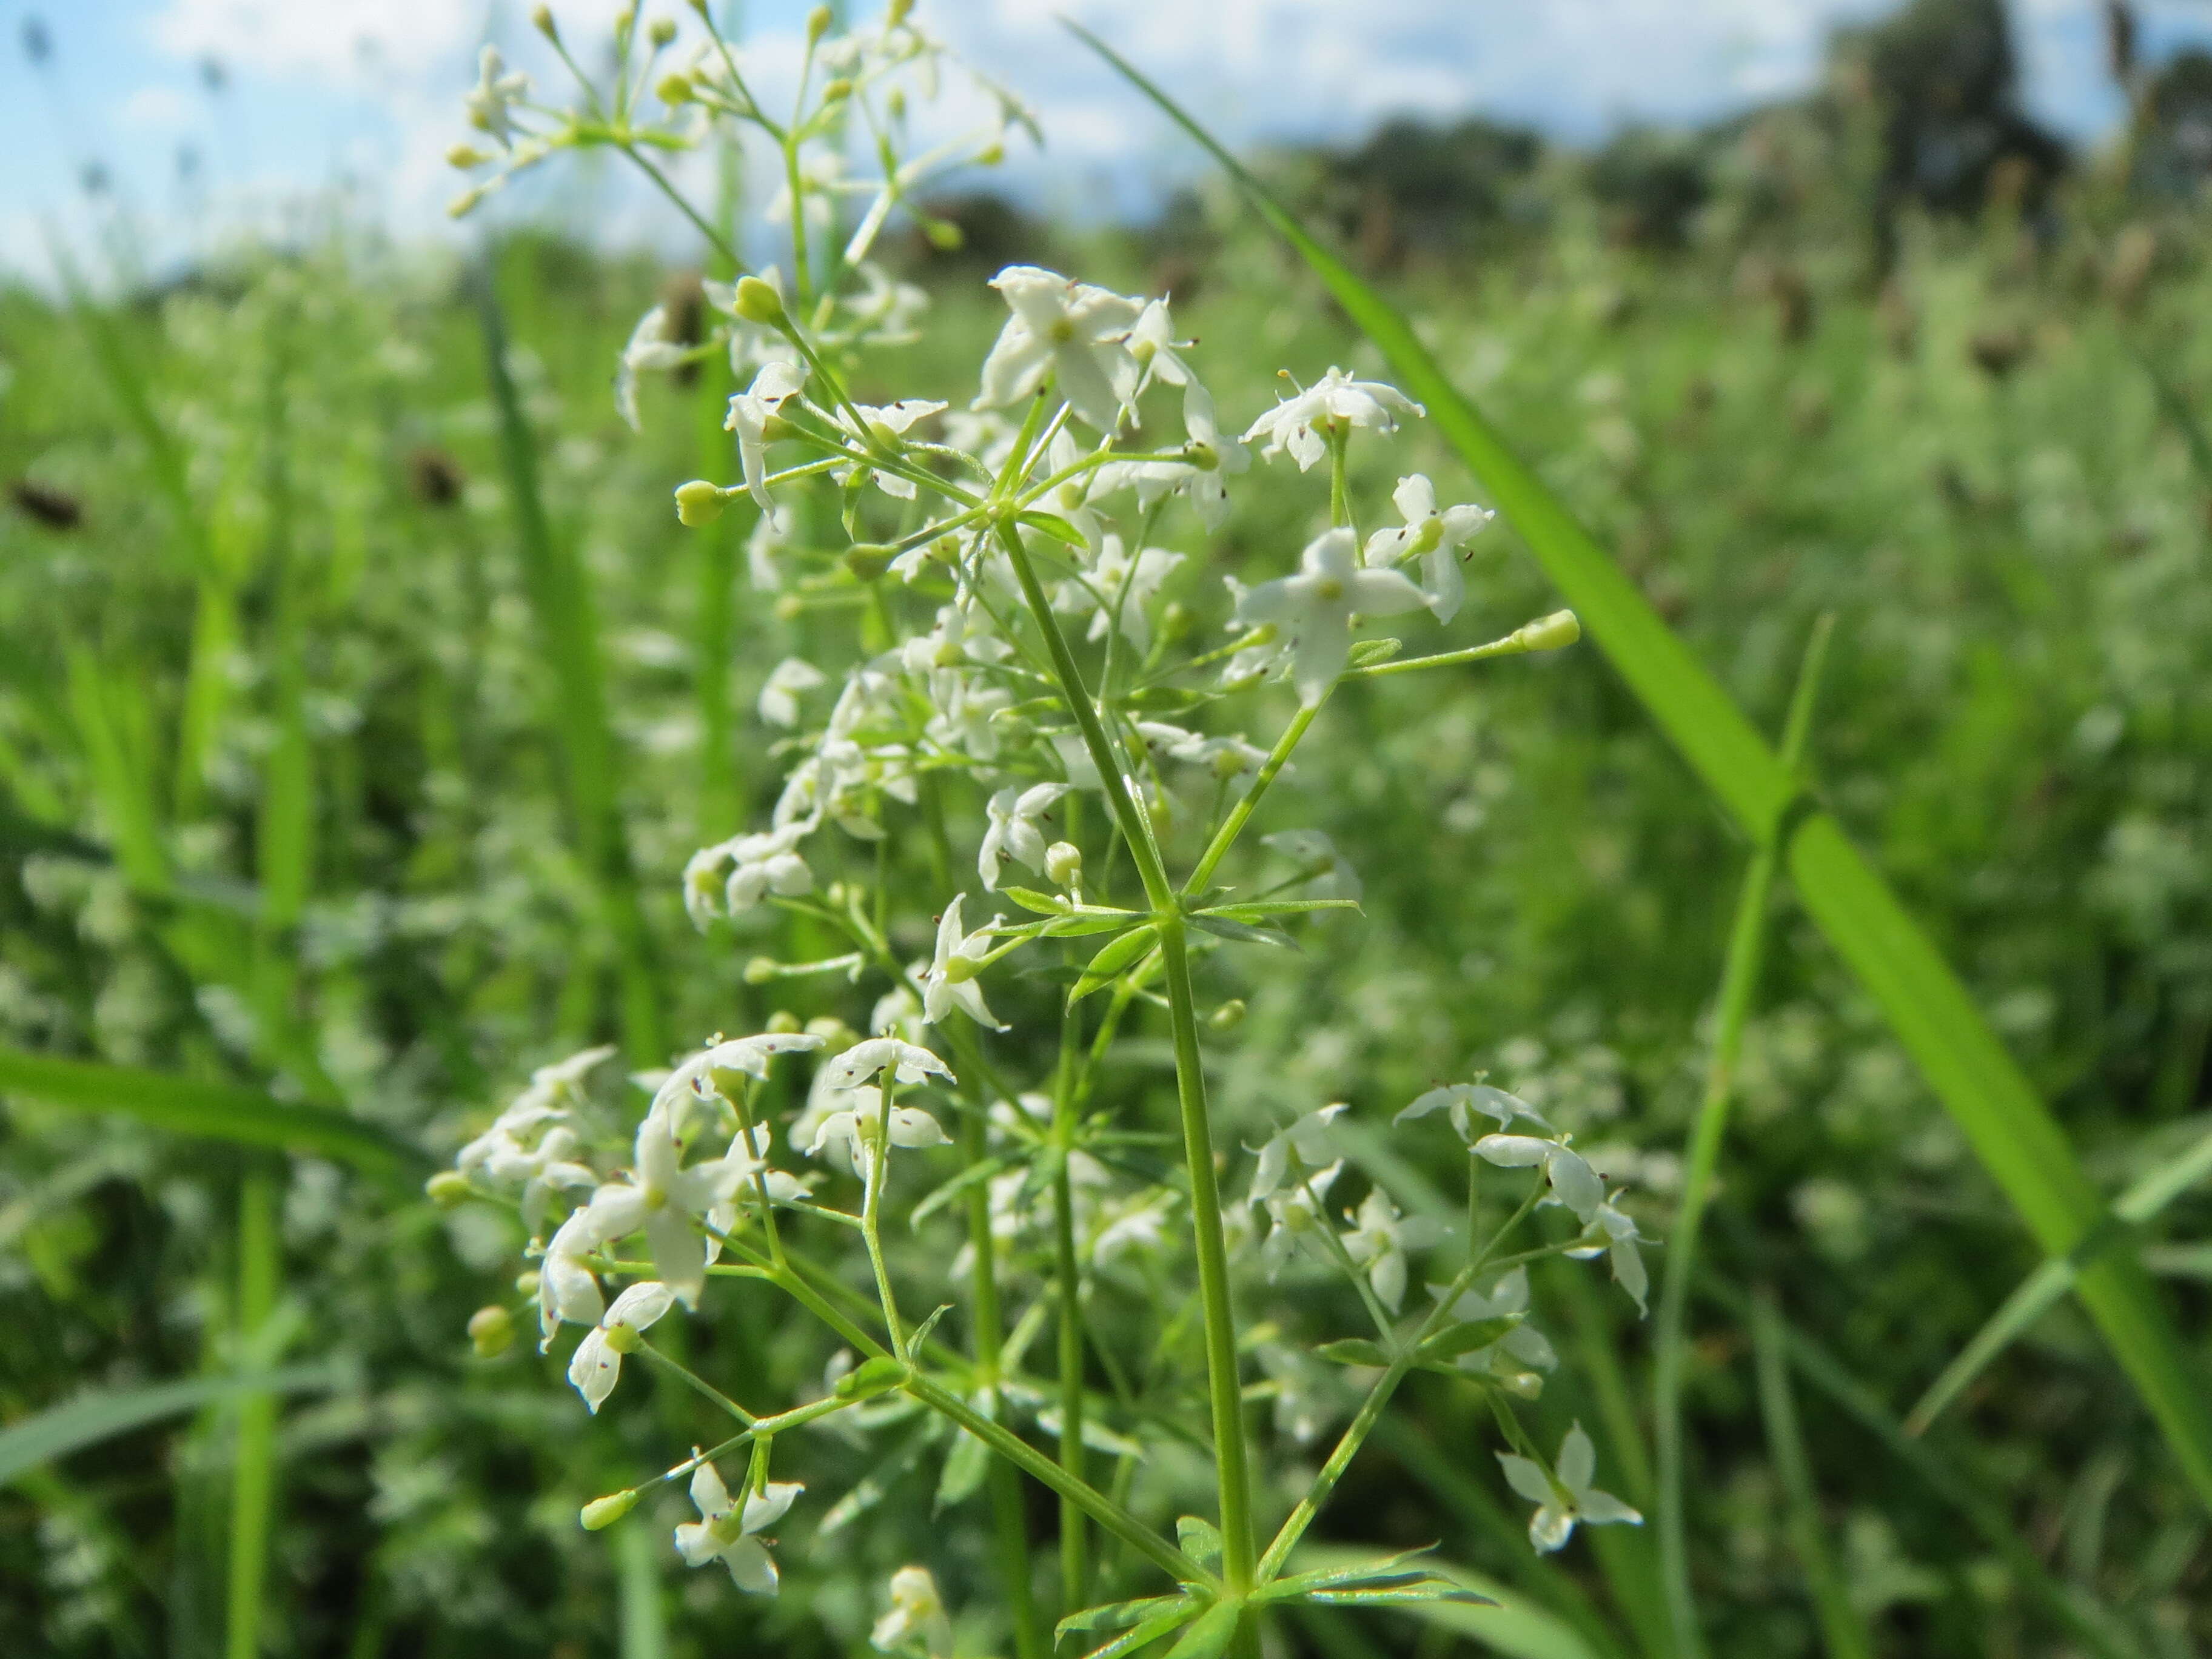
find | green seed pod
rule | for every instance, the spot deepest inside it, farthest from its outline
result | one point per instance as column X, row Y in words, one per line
column 446, row 1188
column 698, row 502
column 492, row 1332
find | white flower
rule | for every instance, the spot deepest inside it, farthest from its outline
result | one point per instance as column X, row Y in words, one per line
column 1068, row 330
column 651, row 346
column 917, row 1616
column 968, row 713
column 1120, row 586
column 566, row 1288
column 695, row 1073
column 885, row 425
column 1293, row 1212
column 1013, row 831
column 1335, row 397
column 491, row 102
column 962, row 634
column 1574, row 1183
column 1307, row 1137
column 663, row 1199
column 1226, row 757
column 750, row 411
column 1307, row 1399
column 1380, row 1239
column 866, row 1059
column 1331, row 877
column 1613, row 1233
column 1570, row 1498
column 854, row 1127
column 552, row 1165
column 1464, row 1099
column 951, row 981
column 757, row 864
column 725, row 1533
column 1525, row 1343
column 1434, row 537
column 779, row 694
column 596, row 1366
column 1317, row 606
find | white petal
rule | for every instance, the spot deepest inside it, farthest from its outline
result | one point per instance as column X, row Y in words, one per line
column 1526, row 1477
column 1577, row 1460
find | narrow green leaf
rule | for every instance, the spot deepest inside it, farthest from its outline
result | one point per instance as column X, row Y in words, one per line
column 1243, row 932
column 2042, row 1289
column 1119, row 1615
column 1163, row 700
column 254, row 1448
column 1402, row 1595
column 1201, row 1539
column 1112, row 961
column 1148, row 1632
column 2011, row 1130
column 1082, row 924
column 1354, row 1350
column 1210, row 1635
column 215, row 1111
column 1044, row 904
column 1056, row 527
column 1842, row 1630
column 1507, row 1623
column 55, row 1433
column 1467, row 1336
column 644, row 1608
column 1261, row 910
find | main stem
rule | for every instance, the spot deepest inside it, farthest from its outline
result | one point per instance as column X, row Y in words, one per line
column 1230, row 1460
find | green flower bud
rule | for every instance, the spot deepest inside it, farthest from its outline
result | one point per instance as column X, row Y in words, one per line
column 758, row 301
column 760, row 969
column 673, row 88
column 465, row 155
column 1229, row 1016
column 698, row 502
column 603, row 1512
column 817, row 23
column 447, row 1188
column 868, row 560
column 1553, row 633
column 526, row 1282
column 1063, row 865
column 790, row 607
column 783, row 1023
column 662, row 32
column 837, row 91
column 541, row 19
column 492, row 1332
column 837, row 1035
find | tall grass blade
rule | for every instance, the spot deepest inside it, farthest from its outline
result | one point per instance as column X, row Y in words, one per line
column 59, row 1431
column 253, row 1454
column 2010, row 1129
column 1701, row 1158
column 559, row 597
column 214, row 1111
column 1842, row 1630
column 637, row 1568
column 2038, row 1293
column 2087, row 1618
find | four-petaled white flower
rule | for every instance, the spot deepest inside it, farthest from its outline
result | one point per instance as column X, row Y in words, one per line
column 695, row 1073
column 886, row 426
column 1568, row 1498
column 1432, row 537
column 1317, row 606
column 917, row 1616
column 596, row 1366
column 1465, row 1099
column 758, row 865
column 750, row 411
column 779, row 694
column 1068, row 330
column 866, row 1059
column 1120, row 586
column 1013, row 831
column 1574, row 1183
column 1307, row 1139
column 723, row 1531
column 1611, row 1232
column 1524, row 1345
column 1336, row 400
column 1295, row 1212
column 855, row 1127
column 951, row 981
column 651, row 345
column 567, row 1289
column 491, row 102
column 663, row 1199
column 541, row 1170
column 1380, row 1239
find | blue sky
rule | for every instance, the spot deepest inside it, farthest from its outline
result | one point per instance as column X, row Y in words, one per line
column 317, row 91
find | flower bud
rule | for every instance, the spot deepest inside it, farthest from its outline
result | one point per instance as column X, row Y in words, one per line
column 1063, row 863
column 1526, row 1385
column 817, row 23
column 492, row 1332
column 758, row 301
column 837, row 91
column 760, row 969
column 465, row 155
column 662, row 32
column 896, row 103
column 673, row 87
column 526, row 1282
column 447, row 1188
column 868, row 560
column 1229, row 1016
column 783, row 1023
column 1177, row 622
column 835, row 1034
column 790, row 607
column 698, row 502
column 464, row 204
column 603, row 1512
column 874, row 1377
column 991, row 155
column 1553, row 633
column 541, row 19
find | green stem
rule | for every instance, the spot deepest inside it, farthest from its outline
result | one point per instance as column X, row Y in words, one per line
column 715, row 240
column 1739, row 982
column 879, row 1162
column 1241, row 814
column 1074, row 1563
column 253, row 1461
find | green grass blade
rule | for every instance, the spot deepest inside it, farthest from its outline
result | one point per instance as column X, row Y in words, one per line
column 559, row 597
column 2086, row 1618
column 118, row 781
column 1701, row 1159
column 2038, row 1293
column 253, row 1455
column 2010, row 1129
column 637, row 1568
column 1842, row 1630
column 215, row 1111
column 55, row 1433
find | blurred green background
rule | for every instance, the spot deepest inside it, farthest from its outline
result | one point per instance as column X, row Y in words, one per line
column 310, row 792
